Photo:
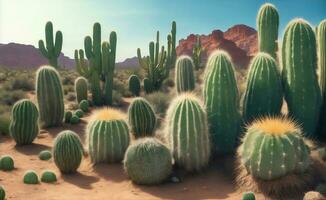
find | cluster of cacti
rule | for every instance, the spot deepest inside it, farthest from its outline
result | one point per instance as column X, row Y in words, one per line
column 187, row 132
column 134, row 85
column 30, row 177
column 147, row 161
column 7, row 163
column 273, row 148
column 100, row 67
column 184, row 74
column 84, row 105
column 67, row 151
column 197, row 53
column 45, row 155
column 267, row 26
column 2, row 193
column 141, row 117
column 52, row 49
column 221, row 98
column 48, row 177
column 81, row 86
column 49, row 96
column 24, row 122
column 264, row 93
column 302, row 93
column 107, row 136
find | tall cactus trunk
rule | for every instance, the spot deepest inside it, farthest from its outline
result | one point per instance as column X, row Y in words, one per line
column 96, row 90
column 108, row 89
column 53, row 61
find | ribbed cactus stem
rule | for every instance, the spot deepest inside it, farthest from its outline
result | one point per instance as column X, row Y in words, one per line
column 134, row 85
column 184, row 74
column 81, row 86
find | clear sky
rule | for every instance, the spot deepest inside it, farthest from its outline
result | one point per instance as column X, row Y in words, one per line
column 136, row 21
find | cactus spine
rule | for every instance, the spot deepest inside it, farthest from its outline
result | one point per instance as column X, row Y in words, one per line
column 302, row 92
column 49, row 96
column 107, row 136
column 67, row 151
column 134, row 85
column 141, row 118
column 52, row 49
column 187, row 132
column 267, row 25
column 81, row 86
column 24, row 122
column 184, row 74
column 196, row 53
column 263, row 95
column 321, row 41
column 221, row 98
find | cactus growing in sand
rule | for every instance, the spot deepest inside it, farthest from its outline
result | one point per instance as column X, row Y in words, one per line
column 184, row 74
column 81, row 89
column 48, row 177
column 31, row 177
column 134, row 85
column 45, row 155
column 7, row 163
column 24, row 122
column 84, row 105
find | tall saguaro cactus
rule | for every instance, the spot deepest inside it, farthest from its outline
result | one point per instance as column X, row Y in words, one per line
column 267, row 25
column 53, row 48
column 196, row 53
column 302, row 93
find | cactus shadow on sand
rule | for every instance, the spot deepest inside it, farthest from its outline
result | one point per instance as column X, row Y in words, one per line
column 80, row 180
column 31, row 149
column 111, row 172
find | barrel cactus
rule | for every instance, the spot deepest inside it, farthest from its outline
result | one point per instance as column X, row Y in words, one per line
column 134, row 85
column 74, row 119
column 7, row 163
column 48, row 177
column 267, row 26
column 107, row 136
column 263, row 95
column 67, row 151
column 221, row 98
column 45, row 155
column 274, row 147
column 49, row 96
column 148, row 161
column 248, row 196
column 187, row 132
column 84, row 105
column 302, row 92
column 31, row 177
column 2, row 193
column 79, row 113
column 141, row 118
column 67, row 116
column 184, row 74
column 81, row 86
column 24, row 122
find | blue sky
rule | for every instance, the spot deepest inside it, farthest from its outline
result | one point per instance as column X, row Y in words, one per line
column 136, row 21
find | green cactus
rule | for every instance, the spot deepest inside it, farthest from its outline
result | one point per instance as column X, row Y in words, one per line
column 2, row 193
column 84, row 105
column 273, row 148
column 81, row 86
column 79, row 113
column 49, row 96
column 67, row 151
column 187, row 132
column 221, row 99
column 134, row 85
column 107, row 136
column 267, row 26
column 30, row 177
column 74, row 119
column 148, row 88
column 45, row 155
column 197, row 53
column 148, row 162
column 53, row 48
column 264, row 93
column 24, row 122
column 248, row 196
column 300, row 82
column 184, row 74
column 48, row 177
column 7, row 163
column 141, row 118
column 67, row 116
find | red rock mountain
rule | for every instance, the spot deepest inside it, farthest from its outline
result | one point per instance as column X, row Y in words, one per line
column 240, row 41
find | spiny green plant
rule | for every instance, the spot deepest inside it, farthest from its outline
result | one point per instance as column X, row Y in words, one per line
column 30, row 177
column 45, row 155
column 187, row 132
column 147, row 161
column 2, row 193
column 221, row 99
column 67, row 151
column 141, row 118
column 84, row 105
column 248, row 196
column 24, row 122
column 107, row 136
column 48, row 177
column 74, row 119
column 7, row 163
column 81, row 86
column 147, row 86
column 49, row 96
column 302, row 93
column 267, row 26
column 134, row 85
column 197, row 53
column 67, row 116
column 264, row 93
column 53, row 48
column 184, row 74
column 79, row 113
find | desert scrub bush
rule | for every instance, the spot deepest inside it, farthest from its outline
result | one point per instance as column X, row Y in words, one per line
column 45, row 155
column 117, row 98
column 160, row 102
column 30, row 177
column 7, row 163
column 4, row 124
column 11, row 97
column 22, row 83
column 121, row 87
column 48, row 177
column 71, row 96
column 68, row 80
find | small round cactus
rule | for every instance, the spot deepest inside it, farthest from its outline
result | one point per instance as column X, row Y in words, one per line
column 74, row 119
column 48, row 177
column 248, row 196
column 7, row 163
column 45, row 155
column 79, row 113
column 84, row 105
column 31, row 177
column 67, row 116
column 134, row 85
column 2, row 193
column 148, row 161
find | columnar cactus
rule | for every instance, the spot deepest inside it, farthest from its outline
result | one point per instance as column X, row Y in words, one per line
column 302, row 92
column 267, row 26
column 221, row 98
column 134, row 85
column 196, row 53
column 53, row 48
column 264, row 93
column 24, row 122
column 148, row 88
column 141, row 117
column 273, row 148
column 187, row 132
column 184, row 74
column 107, row 136
column 81, row 86
column 49, row 96
column 148, row 161
column 67, row 151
